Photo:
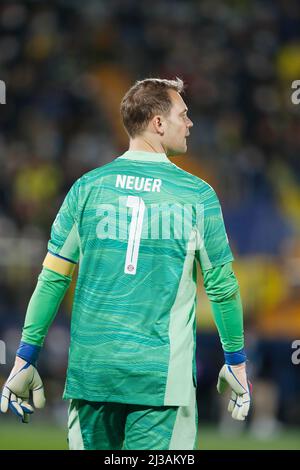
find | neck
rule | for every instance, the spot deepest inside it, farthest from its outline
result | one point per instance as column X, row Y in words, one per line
column 142, row 145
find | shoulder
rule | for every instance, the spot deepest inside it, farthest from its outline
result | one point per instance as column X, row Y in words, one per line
column 94, row 175
column 98, row 172
column 204, row 189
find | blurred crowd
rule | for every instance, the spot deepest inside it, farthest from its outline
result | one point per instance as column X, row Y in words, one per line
column 66, row 65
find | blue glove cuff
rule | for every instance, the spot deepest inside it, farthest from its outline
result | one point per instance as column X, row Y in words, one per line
column 28, row 352
column 235, row 358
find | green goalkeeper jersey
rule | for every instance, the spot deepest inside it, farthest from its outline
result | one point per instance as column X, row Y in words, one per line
column 137, row 227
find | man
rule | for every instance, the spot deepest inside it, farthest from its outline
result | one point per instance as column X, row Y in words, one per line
column 137, row 226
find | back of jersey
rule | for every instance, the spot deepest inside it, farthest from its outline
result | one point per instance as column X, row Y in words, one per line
column 133, row 225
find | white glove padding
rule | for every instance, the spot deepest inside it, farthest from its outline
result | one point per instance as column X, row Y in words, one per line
column 15, row 393
column 236, row 378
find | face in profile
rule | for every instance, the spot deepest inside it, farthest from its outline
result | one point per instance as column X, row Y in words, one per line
column 176, row 126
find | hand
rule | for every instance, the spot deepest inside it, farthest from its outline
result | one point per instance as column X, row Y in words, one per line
column 236, row 378
column 15, row 393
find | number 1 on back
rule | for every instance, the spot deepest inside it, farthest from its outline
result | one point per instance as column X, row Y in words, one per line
column 138, row 209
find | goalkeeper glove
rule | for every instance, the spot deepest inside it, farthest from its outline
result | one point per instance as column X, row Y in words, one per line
column 235, row 376
column 23, row 379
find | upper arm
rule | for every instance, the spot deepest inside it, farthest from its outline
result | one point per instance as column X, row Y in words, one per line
column 58, row 264
column 64, row 241
column 213, row 247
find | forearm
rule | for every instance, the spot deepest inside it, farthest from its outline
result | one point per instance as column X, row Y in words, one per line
column 43, row 306
column 223, row 291
column 228, row 316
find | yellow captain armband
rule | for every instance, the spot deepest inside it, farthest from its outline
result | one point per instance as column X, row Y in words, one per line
column 59, row 265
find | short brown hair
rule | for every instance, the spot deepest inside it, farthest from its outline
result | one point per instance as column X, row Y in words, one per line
column 145, row 99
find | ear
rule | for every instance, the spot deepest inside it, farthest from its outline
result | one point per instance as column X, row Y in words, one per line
column 158, row 125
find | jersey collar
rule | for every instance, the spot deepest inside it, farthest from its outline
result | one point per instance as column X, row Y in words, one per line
column 145, row 156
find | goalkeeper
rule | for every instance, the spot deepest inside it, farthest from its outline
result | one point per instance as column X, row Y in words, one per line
column 131, row 377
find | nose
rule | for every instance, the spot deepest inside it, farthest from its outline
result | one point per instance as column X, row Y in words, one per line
column 190, row 123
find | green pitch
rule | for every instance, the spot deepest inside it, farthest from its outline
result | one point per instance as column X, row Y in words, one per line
column 41, row 437
column 210, row 439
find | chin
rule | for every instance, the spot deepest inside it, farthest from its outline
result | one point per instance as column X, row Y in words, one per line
column 182, row 151
column 177, row 152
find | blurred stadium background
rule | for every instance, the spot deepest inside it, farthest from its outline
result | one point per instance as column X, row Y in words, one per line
column 66, row 65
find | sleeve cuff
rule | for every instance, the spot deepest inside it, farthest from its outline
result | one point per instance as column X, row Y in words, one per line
column 235, row 358
column 28, row 352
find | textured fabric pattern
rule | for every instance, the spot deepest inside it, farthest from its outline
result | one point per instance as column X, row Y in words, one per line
column 117, row 426
column 132, row 224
